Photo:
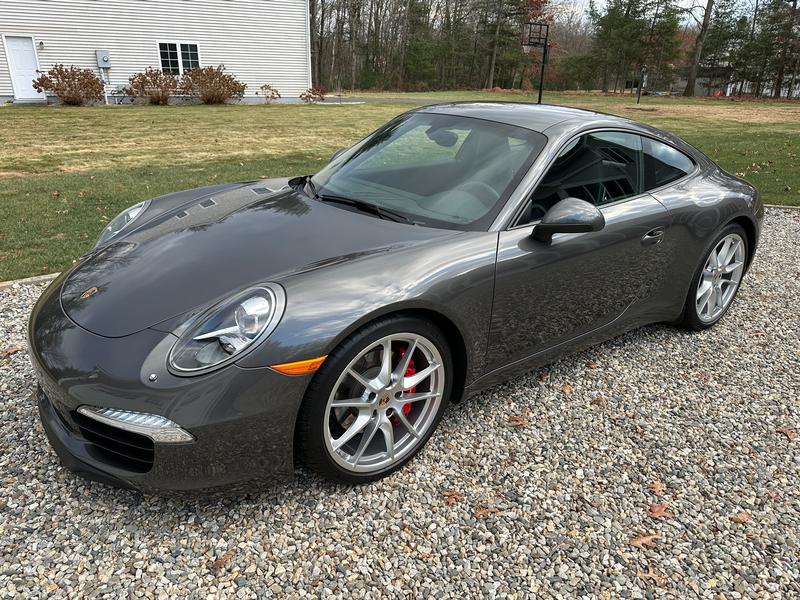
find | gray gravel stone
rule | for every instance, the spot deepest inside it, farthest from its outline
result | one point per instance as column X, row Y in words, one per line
column 548, row 509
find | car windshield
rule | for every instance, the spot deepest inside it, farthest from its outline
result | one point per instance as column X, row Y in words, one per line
column 437, row 170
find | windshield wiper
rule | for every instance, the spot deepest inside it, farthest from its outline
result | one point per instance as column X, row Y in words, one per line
column 367, row 207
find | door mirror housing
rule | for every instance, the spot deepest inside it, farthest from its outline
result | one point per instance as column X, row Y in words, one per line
column 570, row 215
column 337, row 154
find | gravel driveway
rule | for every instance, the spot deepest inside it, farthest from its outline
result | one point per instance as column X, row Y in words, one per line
column 536, row 487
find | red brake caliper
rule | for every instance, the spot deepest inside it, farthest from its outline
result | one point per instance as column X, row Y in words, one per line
column 411, row 370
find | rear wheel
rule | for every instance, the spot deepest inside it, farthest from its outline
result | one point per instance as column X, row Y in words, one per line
column 376, row 401
column 717, row 279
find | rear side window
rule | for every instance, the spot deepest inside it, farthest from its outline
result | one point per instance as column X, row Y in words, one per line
column 600, row 168
column 663, row 164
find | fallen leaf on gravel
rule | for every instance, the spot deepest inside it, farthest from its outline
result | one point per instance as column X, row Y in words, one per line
column 650, row 576
column 643, row 541
column 657, row 487
column 453, row 497
column 591, row 364
column 8, row 352
column 659, row 511
column 789, row 433
column 600, row 401
column 566, row 388
column 741, row 517
column 483, row 512
column 543, row 376
column 518, row 421
column 220, row 563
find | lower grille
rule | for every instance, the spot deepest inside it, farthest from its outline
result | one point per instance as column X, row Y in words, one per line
column 117, row 447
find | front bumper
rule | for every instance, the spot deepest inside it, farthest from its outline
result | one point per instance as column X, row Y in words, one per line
column 242, row 420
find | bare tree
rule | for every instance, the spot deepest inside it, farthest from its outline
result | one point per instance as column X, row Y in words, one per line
column 698, row 49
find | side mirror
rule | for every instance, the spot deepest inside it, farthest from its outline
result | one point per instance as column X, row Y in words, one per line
column 337, row 154
column 570, row 215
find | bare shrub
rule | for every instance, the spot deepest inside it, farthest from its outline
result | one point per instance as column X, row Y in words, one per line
column 269, row 93
column 212, row 85
column 314, row 94
column 71, row 85
column 153, row 84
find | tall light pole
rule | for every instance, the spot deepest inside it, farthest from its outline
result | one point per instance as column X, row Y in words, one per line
column 536, row 35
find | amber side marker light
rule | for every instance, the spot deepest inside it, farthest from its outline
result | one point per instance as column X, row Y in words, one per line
column 301, row 367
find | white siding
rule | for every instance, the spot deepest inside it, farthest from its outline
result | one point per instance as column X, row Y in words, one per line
column 260, row 41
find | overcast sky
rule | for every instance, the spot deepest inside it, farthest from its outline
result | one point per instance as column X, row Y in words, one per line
column 582, row 6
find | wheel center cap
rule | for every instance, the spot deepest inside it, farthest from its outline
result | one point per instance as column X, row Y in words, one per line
column 384, row 399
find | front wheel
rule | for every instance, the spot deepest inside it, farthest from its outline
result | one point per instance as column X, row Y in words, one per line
column 717, row 279
column 376, row 400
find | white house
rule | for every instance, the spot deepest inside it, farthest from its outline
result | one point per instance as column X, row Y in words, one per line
column 259, row 41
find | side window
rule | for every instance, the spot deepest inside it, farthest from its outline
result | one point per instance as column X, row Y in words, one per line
column 169, row 58
column 663, row 164
column 190, row 58
column 600, row 168
column 175, row 62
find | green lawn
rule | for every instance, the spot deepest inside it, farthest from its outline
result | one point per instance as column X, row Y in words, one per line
column 65, row 171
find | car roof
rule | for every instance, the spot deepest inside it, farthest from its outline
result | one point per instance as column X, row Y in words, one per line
column 537, row 117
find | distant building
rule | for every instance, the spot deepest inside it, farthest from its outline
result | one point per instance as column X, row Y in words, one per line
column 723, row 88
column 259, row 41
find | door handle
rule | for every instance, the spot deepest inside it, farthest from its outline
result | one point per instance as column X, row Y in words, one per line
column 654, row 236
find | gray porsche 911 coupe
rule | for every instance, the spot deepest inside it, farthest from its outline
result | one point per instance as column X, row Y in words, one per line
column 214, row 337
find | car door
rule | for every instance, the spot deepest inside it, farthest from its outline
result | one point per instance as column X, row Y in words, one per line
column 548, row 293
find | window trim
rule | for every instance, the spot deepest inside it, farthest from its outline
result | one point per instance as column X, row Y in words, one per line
column 180, row 56
column 515, row 214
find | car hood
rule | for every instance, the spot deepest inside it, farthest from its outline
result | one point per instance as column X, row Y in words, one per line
column 185, row 258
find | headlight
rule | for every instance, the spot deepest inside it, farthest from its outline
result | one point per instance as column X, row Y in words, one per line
column 228, row 330
column 121, row 221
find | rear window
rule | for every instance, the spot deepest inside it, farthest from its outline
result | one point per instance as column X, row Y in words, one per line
column 663, row 164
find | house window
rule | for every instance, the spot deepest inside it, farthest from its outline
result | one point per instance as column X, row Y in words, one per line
column 178, row 58
column 189, row 57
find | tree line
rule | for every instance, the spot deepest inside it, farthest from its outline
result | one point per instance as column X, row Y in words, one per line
column 745, row 47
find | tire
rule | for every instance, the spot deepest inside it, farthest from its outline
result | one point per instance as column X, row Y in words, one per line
column 326, row 419
column 693, row 318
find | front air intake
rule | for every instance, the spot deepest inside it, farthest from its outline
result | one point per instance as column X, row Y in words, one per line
column 115, row 446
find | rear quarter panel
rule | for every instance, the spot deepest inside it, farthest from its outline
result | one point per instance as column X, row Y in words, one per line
column 700, row 206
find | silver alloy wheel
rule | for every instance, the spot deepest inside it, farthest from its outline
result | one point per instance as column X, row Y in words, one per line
column 721, row 276
column 384, row 402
